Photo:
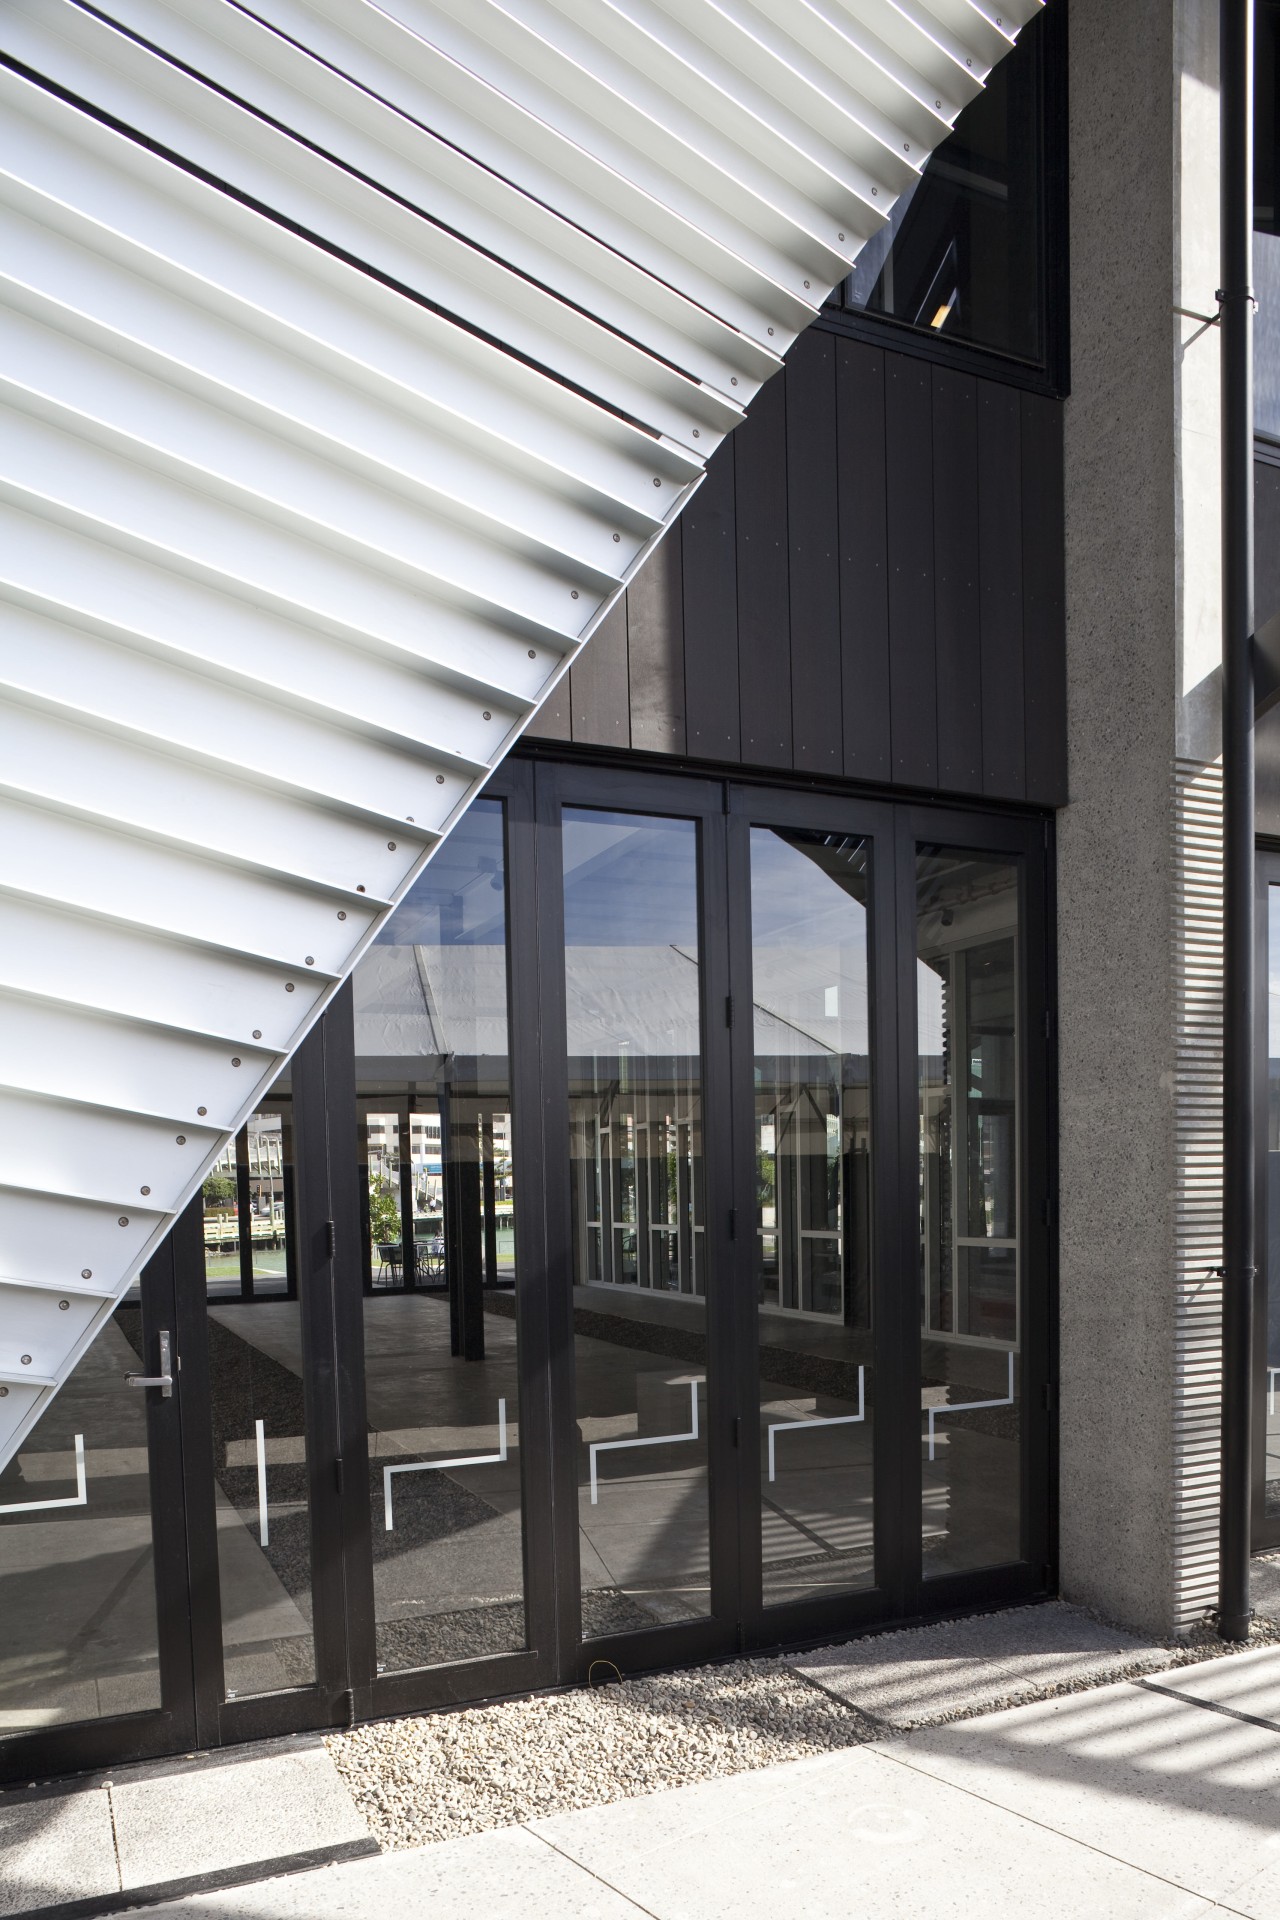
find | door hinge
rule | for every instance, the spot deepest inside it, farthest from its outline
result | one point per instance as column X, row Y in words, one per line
column 337, row 1473
column 330, row 1239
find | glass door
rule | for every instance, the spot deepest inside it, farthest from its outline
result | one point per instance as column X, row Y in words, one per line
column 95, row 1650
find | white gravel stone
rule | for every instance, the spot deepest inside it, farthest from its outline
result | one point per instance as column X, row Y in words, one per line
column 440, row 1775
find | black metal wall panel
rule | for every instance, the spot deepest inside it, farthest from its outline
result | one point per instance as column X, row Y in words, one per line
column 1004, row 753
column 869, row 584
column 1266, row 591
column 655, row 648
column 913, row 677
column 864, row 566
column 1044, row 600
column 764, row 614
column 712, row 728
column 813, row 539
column 957, row 622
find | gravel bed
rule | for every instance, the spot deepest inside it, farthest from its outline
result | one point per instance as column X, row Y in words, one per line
column 440, row 1775
column 436, row 1776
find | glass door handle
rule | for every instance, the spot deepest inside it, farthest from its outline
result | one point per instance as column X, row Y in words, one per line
column 163, row 1379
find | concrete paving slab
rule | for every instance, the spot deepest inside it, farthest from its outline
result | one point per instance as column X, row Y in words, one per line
column 204, row 1817
column 850, row 1833
column 1159, row 1783
column 1246, row 1683
column 509, row 1875
column 54, row 1848
column 928, row 1674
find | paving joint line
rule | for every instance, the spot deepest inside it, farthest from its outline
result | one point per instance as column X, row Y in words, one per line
column 1103, row 1853
column 590, row 1871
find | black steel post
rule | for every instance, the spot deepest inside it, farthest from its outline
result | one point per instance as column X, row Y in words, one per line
column 1236, row 307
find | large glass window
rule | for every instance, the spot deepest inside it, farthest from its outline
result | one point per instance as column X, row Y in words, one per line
column 436, row 1169
column 1266, row 221
column 970, row 1170
column 633, row 994
column 812, row 1119
column 962, row 256
column 1271, row 1212
column 78, row 1630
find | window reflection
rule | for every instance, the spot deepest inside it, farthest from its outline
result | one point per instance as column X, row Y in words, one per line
column 970, row 1166
column 812, row 1100
column 961, row 255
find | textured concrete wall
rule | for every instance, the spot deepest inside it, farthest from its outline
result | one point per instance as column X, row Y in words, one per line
column 1142, row 543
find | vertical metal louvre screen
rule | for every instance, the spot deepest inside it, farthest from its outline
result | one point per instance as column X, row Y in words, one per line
column 354, row 357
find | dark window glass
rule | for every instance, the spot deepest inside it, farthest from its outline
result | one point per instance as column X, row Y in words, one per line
column 962, row 253
column 1266, row 222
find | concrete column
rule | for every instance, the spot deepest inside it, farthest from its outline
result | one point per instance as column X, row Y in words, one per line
column 1143, row 624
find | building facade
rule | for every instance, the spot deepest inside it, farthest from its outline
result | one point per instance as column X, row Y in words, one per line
column 762, row 1182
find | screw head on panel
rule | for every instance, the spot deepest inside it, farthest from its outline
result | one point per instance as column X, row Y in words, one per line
column 123, row 1220
column 235, row 1060
column 311, row 960
column 63, row 1306
column 146, row 1190
column 4, row 1395
column 257, row 1033
column 573, row 593
column 202, row 1111
column 617, row 536
column 26, row 1359
column 288, row 986
column 391, row 846
column 86, row 1273
column 486, row 715
column 181, row 1139
column 733, row 379
column 342, row 913
column 533, row 653
column 439, row 783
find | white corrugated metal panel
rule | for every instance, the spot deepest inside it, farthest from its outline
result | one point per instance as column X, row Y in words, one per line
column 352, row 357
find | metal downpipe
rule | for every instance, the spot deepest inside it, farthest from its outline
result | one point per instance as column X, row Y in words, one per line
column 1235, row 299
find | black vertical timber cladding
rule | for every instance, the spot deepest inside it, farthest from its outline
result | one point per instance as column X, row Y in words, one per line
column 709, row 554
column 599, row 695
column 864, row 582
column 913, row 686
column 1004, row 755
column 868, row 582
column 957, row 624
column 655, row 647
column 764, row 622
column 814, row 558
column 1044, row 601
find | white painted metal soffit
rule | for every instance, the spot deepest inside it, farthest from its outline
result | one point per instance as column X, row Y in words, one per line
column 354, row 356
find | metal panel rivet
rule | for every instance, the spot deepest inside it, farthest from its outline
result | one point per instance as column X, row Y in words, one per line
column 202, row 1111
column 617, row 536
column 257, row 1033
column 937, row 103
column 697, row 436
column 124, row 1220
column 4, row 1393
column 288, row 986
column 906, row 146
column 806, row 283
column 771, row 333
column 439, row 783
column 486, row 715
column 146, row 1189
column 86, row 1273
column 533, row 653
column 733, row 379
column 968, row 63
column 63, row 1306
column 26, row 1359
column 235, row 1060
column 391, row 846
column 657, row 482
column 874, row 192
column 839, row 236
column 310, row 960
column 409, row 818
column 342, row 913
column 182, row 1139
column 573, row 593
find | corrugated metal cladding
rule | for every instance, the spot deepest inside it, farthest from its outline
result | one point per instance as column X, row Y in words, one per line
column 354, row 358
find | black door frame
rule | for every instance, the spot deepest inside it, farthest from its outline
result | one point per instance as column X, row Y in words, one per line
column 328, row 1229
